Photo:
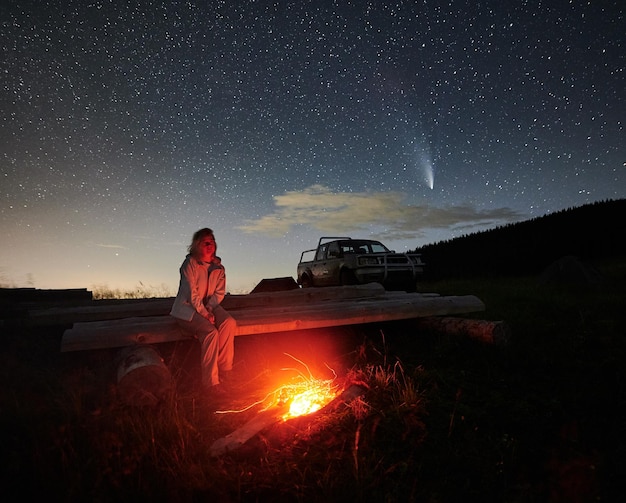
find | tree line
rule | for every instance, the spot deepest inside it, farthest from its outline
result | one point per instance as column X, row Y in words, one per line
column 589, row 232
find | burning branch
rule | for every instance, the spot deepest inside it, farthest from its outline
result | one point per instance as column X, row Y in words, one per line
column 303, row 397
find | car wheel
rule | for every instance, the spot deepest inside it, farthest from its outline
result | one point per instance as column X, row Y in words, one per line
column 347, row 277
column 411, row 287
column 305, row 281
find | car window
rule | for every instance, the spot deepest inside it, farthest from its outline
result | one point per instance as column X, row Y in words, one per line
column 362, row 247
column 321, row 252
column 333, row 249
column 346, row 248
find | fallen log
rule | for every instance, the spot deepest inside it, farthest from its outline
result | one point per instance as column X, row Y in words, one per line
column 156, row 329
column 490, row 332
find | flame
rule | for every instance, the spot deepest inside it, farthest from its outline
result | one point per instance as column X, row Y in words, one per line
column 303, row 396
column 307, row 396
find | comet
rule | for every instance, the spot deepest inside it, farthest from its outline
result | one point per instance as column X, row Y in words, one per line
column 426, row 167
column 429, row 175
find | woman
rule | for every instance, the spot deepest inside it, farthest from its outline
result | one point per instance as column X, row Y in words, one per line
column 198, row 311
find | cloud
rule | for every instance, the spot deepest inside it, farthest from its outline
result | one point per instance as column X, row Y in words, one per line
column 116, row 247
column 343, row 212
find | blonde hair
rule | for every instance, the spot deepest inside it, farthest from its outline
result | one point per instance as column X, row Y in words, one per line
column 197, row 237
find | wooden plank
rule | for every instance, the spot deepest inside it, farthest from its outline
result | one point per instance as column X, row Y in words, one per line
column 120, row 333
column 240, row 436
column 98, row 311
column 155, row 329
column 35, row 295
column 303, row 296
column 106, row 310
column 352, row 313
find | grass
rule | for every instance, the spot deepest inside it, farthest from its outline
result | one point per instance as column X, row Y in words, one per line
column 442, row 418
column 141, row 291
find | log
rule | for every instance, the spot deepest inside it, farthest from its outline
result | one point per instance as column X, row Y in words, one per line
column 53, row 296
column 303, row 296
column 120, row 333
column 352, row 313
column 156, row 329
column 100, row 310
column 240, row 436
column 143, row 379
column 490, row 332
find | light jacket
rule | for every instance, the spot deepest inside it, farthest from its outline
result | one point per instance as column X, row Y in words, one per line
column 202, row 287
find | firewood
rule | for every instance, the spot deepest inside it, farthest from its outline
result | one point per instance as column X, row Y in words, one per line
column 143, row 379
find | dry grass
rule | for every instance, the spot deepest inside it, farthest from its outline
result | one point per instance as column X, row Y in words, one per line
column 141, row 291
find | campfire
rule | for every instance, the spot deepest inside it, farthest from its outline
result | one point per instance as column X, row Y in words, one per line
column 304, row 395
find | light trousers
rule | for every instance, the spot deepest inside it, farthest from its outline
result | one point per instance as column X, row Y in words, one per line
column 217, row 342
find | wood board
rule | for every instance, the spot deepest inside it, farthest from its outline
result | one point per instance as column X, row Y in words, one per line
column 348, row 306
column 117, row 309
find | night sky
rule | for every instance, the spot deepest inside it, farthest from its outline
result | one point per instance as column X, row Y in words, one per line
column 127, row 126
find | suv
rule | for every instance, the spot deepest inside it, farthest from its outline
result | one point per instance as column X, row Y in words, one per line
column 347, row 261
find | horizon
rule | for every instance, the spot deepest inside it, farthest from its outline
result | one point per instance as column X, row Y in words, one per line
column 104, row 290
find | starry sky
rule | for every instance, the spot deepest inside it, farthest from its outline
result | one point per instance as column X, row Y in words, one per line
column 127, row 126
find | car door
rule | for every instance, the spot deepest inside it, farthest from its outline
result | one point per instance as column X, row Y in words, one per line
column 333, row 264
column 319, row 271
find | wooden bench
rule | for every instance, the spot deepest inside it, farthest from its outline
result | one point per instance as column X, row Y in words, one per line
column 272, row 312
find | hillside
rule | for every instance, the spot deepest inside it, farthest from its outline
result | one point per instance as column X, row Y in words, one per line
column 589, row 232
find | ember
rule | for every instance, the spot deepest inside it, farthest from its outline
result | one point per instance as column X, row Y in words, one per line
column 306, row 397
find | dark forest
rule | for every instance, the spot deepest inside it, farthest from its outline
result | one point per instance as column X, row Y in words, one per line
column 588, row 232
